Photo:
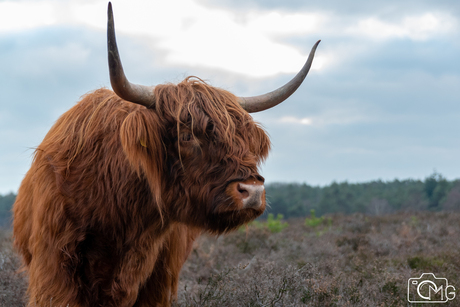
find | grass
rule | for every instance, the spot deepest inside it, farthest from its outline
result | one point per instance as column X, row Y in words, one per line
column 357, row 260
column 274, row 225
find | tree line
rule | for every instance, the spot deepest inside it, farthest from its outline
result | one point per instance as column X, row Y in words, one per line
column 434, row 193
column 6, row 202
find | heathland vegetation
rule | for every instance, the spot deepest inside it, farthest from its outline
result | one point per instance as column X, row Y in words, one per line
column 342, row 260
column 339, row 245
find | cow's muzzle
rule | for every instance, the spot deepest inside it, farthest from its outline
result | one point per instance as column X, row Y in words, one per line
column 249, row 194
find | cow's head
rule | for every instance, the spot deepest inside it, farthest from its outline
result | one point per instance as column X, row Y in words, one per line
column 197, row 145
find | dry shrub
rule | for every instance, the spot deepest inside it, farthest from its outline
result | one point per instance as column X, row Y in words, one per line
column 354, row 260
column 12, row 283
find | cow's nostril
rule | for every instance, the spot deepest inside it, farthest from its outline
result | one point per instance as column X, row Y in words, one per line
column 244, row 192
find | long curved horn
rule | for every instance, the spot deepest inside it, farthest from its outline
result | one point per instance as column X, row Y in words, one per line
column 135, row 93
column 271, row 99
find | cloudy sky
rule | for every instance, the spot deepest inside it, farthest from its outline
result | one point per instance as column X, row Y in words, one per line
column 381, row 101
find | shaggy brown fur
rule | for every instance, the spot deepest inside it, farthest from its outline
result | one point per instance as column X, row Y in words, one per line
column 117, row 193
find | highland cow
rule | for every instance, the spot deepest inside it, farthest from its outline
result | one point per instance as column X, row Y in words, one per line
column 125, row 181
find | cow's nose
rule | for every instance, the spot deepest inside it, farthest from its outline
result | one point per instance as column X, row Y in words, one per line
column 252, row 195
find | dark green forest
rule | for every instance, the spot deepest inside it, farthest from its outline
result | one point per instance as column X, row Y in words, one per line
column 434, row 193
column 6, row 202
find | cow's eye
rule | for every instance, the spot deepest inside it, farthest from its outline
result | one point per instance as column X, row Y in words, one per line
column 186, row 137
column 209, row 127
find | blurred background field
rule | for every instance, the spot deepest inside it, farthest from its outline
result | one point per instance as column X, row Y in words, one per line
column 337, row 245
column 353, row 260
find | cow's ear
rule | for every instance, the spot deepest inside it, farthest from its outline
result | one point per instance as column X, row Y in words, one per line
column 141, row 138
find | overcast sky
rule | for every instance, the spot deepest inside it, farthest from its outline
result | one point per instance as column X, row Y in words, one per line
column 381, row 101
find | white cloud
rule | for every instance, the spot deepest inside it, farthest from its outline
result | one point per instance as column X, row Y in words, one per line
column 295, row 120
column 421, row 27
column 220, row 39
column 335, row 116
column 18, row 16
column 194, row 35
column 276, row 23
column 191, row 34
